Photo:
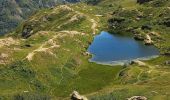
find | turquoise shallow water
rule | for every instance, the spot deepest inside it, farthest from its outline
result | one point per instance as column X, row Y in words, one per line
column 109, row 48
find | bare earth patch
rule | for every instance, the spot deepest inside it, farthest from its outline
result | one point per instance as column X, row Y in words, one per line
column 52, row 43
column 8, row 41
column 3, row 58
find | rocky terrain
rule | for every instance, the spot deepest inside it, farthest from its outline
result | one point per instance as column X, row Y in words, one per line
column 15, row 11
column 46, row 56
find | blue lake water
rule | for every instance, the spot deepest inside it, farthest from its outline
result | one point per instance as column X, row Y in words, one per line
column 109, row 49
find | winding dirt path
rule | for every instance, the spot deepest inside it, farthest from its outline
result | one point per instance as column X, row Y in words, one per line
column 52, row 43
column 44, row 49
column 94, row 26
column 93, row 21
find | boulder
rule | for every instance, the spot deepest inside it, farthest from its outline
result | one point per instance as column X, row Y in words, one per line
column 137, row 98
column 86, row 54
column 138, row 34
column 148, row 40
column 167, row 62
column 44, row 19
column 139, row 37
column 76, row 96
column 27, row 32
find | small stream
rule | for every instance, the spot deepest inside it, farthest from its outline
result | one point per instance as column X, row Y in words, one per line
column 116, row 49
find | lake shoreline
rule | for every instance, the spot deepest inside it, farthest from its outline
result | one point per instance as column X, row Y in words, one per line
column 151, row 50
column 123, row 62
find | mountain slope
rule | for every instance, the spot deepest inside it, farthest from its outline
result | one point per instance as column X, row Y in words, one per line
column 52, row 61
column 14, row 11
column 46, row 57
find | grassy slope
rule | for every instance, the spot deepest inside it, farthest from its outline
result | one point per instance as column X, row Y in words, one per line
column 58, row 71
column 152, row 80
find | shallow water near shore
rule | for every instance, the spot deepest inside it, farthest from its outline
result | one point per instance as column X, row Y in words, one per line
column 113, row 49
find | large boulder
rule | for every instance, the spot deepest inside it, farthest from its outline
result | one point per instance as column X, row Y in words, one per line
column 76, row 96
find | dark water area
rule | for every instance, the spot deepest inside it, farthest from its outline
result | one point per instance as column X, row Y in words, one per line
column 110, row 49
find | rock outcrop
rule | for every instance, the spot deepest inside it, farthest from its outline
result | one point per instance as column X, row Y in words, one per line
column 138, row 62
column 139, row 37
column 137, row 98
column 15, row 11
column 148, row 40
column 153, row 33
column 143, row 1
column 8, row 41
column 27, row 31
column 3, row 58
column 167, row 63
column 76, row 96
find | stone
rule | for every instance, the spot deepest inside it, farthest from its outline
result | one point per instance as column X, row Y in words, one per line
column 76, row 96
column 27, row 32
column 87, row 53
column 138, row 37
column 137, row 98
column 99, row 15
column 167, row 62
column 148, row 40
column 138, row 18
column 44, row 19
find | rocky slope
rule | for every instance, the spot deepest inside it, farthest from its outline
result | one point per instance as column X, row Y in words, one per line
column 149, row 22
column 12, row 12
